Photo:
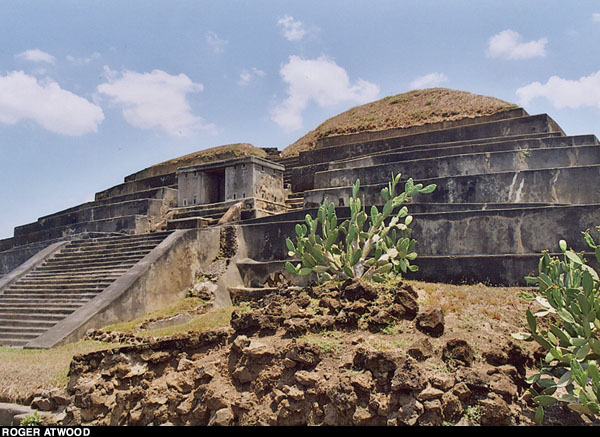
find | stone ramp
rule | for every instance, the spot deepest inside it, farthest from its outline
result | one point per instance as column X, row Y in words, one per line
column 67, row 280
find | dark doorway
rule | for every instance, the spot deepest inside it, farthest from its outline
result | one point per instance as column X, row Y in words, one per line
column 215, row 185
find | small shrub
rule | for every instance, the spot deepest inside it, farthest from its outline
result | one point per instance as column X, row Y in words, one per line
column 32, row 420
column 373, row 247
column 568, row 328
column 473, row 413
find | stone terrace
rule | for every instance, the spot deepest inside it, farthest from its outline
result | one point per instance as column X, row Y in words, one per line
column 509, row 187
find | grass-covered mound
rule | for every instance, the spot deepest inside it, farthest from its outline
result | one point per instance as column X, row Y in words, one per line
column 414, row 108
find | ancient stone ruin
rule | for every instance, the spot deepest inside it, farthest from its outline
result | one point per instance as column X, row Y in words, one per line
column 510, row 185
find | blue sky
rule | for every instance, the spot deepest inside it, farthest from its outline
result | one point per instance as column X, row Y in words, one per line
column 93, row 91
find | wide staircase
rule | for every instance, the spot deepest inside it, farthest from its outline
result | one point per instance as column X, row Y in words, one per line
column 507, row 189
column 65, row 282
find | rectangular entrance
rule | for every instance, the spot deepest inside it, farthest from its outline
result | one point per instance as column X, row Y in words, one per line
column 214, row 185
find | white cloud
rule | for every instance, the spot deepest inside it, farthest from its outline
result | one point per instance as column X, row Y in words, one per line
column 321, row 81
column 22, row 97
column 246, row 76
column 596, row 17
column 36, row 55
column 428, row 81
column 564, row 93
column 293, row 30
column 155, row 100
column 508, row 45
column 83, row 61
column 217, row 44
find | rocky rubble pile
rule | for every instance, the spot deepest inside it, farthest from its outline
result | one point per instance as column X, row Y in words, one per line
column 269, row 368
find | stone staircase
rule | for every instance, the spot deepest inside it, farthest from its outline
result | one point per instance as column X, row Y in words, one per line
column 508, row 188
column 197, row 216
column 65, row 282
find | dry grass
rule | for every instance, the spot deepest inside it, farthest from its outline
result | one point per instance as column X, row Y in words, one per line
column 478, row 313
column 187, row 305
column 214, row 319
column 239, row 150
column 24, row 372
column 410, row 109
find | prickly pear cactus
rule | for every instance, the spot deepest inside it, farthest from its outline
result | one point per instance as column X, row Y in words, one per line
column 375, row 246
column 568, row 300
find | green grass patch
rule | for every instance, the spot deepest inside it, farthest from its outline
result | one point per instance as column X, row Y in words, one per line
column 214, row 319
column 183, row 306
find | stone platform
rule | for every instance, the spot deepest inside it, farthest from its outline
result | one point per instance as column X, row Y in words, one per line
column 508, row 187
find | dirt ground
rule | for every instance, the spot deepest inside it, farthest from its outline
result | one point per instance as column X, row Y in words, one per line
column 414, row 353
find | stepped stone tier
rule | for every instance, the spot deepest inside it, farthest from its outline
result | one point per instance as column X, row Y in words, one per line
column 510, row 185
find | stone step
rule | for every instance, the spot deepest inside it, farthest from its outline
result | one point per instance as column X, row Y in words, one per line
column 94, row 254
column 15, row 342
column 7, row 331
column 109, row 249
column 462, row 165
column 165, row 193
column 90, row 268
column 126, row 188
column 25, row 321
column 30, row 303
column 557, row 185
column 536, row 124
column 93, row 213
column 81, row 262
column 190, row 223
column 46, row 299
column 17, row 338
column 160, row 193
column 56, row 285
column 198, row 211
column 486, row 232
column 413, row 208
column 24, row 316
column 446, row 149
column 497, row 270
column 121, row 239
column 75, row 276
column 52, row 292
column 133, row 223
column 47, row 296
column 302, row 175
column 91, row 272
column 108, row 254
column 35, row 313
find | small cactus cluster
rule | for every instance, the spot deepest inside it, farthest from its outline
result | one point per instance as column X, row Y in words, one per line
column 375, row 246
column 568, row 293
